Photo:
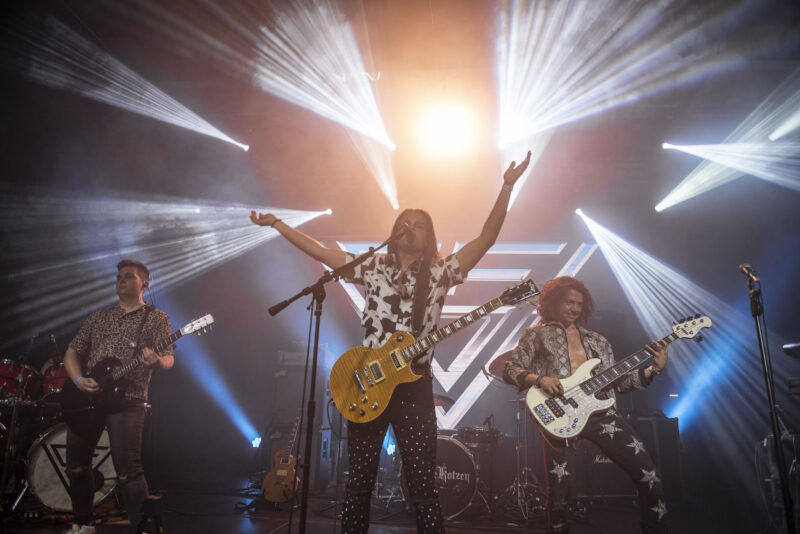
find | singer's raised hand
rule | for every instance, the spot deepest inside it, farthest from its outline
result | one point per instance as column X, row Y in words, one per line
column 514, row 171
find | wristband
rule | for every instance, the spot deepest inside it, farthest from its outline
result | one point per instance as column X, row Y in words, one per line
column 537, row 380
column 276, row 221
column 78, row 380
column 507, row 187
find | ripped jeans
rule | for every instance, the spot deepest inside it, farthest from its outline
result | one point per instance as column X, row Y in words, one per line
column 125, row 437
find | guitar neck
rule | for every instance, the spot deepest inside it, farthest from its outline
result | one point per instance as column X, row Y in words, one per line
column 422, row 345
column 123, row 370
column 620, row 369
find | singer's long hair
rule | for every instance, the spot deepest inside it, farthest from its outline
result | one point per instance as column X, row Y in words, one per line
column 430, row 251
column 553, row 291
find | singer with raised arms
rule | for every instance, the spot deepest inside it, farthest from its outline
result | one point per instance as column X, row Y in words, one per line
column 404, row 290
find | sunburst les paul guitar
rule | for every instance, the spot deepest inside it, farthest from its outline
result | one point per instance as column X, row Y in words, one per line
column 281, row 483
column 564, row 416
column 363, row 379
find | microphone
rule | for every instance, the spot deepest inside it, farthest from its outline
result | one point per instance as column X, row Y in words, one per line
column 748, row 271
column 408, row 232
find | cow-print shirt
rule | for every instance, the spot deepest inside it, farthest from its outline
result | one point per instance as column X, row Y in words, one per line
column 388, row 307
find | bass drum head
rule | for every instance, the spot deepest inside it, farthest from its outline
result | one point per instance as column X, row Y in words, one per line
column 456, row 477
column 47, row 469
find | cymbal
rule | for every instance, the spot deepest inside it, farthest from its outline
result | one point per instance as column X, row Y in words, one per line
column 441, row 400
column 499, row 363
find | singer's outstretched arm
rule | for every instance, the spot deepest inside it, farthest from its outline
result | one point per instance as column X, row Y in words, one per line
column 471, row 253
column 331, row 257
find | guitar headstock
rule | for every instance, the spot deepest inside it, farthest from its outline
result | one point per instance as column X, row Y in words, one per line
column 519, row 292
column 200, row 325
column 688, row 327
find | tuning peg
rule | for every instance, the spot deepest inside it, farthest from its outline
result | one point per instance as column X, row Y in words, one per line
column 699, row 339
column 696, row 315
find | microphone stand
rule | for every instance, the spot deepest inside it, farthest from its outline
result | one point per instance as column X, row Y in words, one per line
column 757, row 310
column 317, row 291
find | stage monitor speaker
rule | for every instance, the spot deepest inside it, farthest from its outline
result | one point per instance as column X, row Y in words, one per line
column 598, row 477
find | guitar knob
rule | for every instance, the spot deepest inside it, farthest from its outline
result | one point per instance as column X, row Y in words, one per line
column 374, row 406
column 361, row 412
column 352, row 407
column 364, row 399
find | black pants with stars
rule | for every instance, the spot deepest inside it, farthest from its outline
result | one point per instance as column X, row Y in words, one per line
column 411, row 414
column 616, row 439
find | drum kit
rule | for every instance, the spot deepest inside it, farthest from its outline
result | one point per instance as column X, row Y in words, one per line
column 466, row 464
column 33, row 440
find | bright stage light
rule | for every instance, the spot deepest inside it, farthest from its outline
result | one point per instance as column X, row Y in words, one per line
column 377, row 160
column 579, row 211
column 720, row 382
column 63, row 59
column 446, row 130
column 746, row 150
column 52, row 282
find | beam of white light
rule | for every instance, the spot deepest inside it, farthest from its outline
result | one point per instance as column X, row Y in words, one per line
column 720, row 382
column 377, row 160
column 310, row 57
column 562, row 61
column 55, row 279
column 63, row 59
column 746, row 150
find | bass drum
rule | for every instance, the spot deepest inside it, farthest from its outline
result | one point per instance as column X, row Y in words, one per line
column 456, row 477
column 47, row 469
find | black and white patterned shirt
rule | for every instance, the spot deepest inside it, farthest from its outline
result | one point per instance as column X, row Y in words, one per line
column 111, row 332
column 386, row 310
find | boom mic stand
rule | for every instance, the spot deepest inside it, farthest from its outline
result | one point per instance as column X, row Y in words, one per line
column 317, row 291
column 757, row 310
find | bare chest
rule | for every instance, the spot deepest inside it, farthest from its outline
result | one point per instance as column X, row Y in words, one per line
column 577, row 352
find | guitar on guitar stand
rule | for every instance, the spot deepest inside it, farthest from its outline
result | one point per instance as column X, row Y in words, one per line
column 77, row 405
column 281, row 482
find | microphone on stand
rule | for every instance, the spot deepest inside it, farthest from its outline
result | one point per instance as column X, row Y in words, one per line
column 405, row 230
column 748, row 271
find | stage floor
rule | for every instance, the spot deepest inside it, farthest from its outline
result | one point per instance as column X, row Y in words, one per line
column 244, row 511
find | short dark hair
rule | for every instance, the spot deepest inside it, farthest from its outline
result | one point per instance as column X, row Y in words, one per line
column 142, row 269
column 431, row 247
column 553, row 291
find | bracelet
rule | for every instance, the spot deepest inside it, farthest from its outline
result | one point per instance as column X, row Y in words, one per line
column 507, row 187
column 653, row 370
column 537, row 380
column 276, row 221
column 78, row 380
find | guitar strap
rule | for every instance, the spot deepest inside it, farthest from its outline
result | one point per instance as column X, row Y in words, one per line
column 141, row 327
column 420, row 296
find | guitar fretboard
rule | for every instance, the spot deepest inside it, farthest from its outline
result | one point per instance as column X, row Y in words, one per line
column 422, row 345
column 608, row 376
column 123, row 370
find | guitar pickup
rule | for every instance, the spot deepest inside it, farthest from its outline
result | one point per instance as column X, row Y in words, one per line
column 396, row 360
column 359, row 382
column 377, row 371
column 543, row 414
column 554, row 407
column 369, row 379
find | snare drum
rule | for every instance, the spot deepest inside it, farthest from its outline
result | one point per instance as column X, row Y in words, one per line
column 47, row 469
column 17, row 379
column 478, row 436
column 456, row 477
column 54, row 379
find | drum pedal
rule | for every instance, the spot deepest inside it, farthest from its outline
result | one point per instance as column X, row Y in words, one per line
column 151, row 511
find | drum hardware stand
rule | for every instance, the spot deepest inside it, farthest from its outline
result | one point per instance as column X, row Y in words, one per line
column 521, row 491
column 317, row 292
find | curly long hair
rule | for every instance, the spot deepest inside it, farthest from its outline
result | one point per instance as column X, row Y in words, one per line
column 554, row 291
column 431, row 251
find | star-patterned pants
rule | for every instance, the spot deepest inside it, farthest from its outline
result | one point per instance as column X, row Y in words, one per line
column 617, row 440
column 413, row 418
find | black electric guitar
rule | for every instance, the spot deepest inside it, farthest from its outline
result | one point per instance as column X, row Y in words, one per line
column 363, row 379
column 565, row 416
column 77, row 405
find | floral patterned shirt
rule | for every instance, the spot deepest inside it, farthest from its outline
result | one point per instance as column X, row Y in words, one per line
column 388, row 308
column 111, row 332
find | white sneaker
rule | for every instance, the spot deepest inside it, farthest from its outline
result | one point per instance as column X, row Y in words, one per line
column 80, row 529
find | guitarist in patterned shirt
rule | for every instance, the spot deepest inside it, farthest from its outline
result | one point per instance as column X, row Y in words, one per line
column 411, row 267
column 113, row 332
column 554, row 349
